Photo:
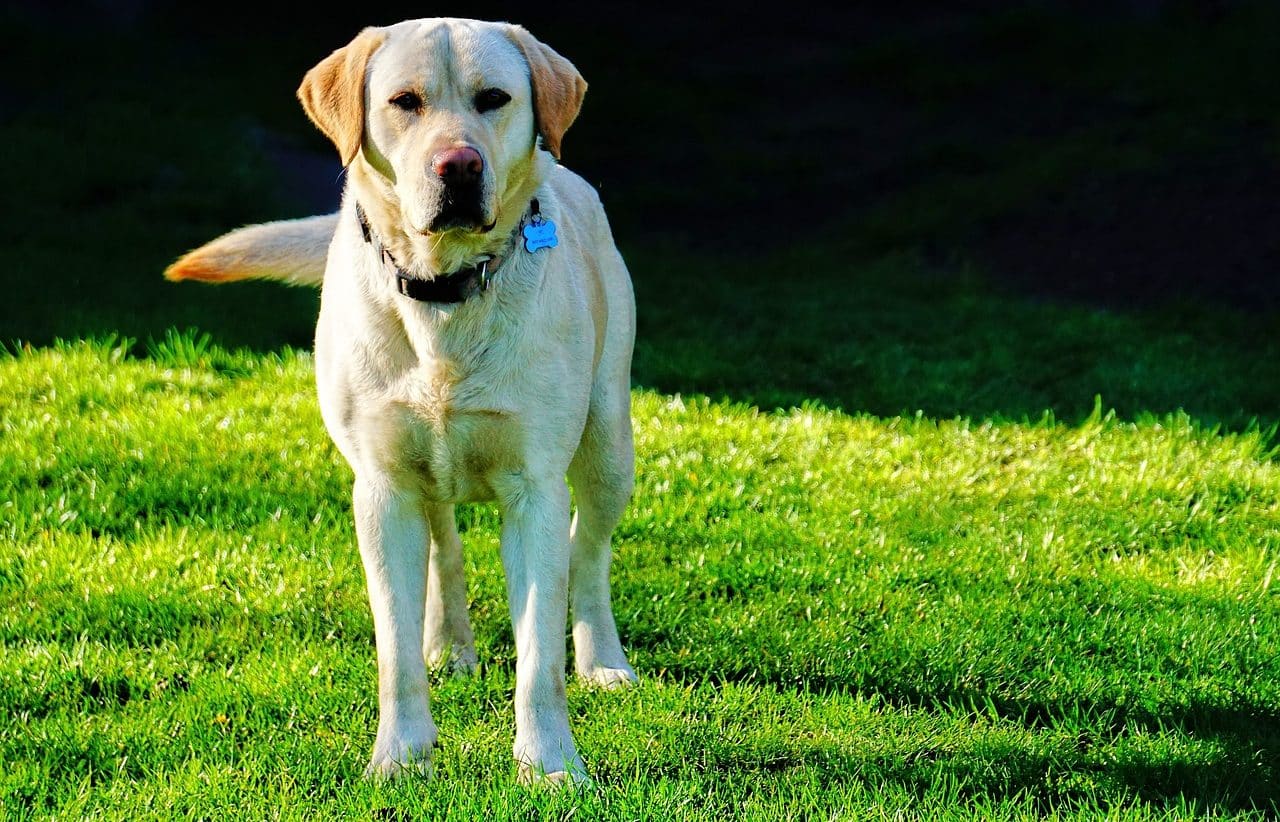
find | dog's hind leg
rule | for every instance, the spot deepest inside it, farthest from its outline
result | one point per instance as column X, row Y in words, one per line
column 447, row 640
column 602, row 474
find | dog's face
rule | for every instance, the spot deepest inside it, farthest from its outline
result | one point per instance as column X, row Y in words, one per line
column 450, row 115
column 447, row 113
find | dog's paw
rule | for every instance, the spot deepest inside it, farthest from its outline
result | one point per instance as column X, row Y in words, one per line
column 610, row 679
column 572, row 775
column 457, row 661
column 551, row 760
column 401, row 754
column 464, row 667
column 390, row 769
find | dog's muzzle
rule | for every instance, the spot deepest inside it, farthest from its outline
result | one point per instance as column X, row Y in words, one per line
column 460, row 171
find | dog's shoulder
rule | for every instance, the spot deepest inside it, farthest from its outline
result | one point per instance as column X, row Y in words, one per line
column 578, row 200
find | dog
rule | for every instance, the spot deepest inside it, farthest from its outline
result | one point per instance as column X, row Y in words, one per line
column 474, row 343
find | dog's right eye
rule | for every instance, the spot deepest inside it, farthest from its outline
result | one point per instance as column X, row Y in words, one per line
column 406, row 101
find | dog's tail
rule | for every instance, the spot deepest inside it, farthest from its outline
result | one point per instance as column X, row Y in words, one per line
column 291, row 251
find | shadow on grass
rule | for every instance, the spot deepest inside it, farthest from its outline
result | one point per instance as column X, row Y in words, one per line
column 1241, row 776
column 1097, row 750
column 898, row 334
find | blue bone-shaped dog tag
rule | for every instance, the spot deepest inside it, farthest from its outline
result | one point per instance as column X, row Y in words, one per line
column 541, row 234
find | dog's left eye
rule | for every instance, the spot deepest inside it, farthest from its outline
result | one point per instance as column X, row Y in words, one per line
column 491, row 98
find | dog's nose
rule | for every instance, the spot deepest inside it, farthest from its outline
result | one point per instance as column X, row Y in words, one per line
column 458, row 166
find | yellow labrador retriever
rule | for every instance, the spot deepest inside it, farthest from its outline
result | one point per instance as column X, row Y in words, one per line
column 474, row 343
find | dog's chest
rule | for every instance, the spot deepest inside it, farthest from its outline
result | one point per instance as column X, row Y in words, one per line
column 454, row 436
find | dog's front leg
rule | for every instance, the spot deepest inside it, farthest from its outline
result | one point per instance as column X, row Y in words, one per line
column 535, row 557
column 393, row 546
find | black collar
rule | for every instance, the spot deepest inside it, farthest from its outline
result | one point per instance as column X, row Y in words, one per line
column 457, row 287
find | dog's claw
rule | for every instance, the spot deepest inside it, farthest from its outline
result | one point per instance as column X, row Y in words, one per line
column 610, row 679
column 389, row 769
column 575, row 777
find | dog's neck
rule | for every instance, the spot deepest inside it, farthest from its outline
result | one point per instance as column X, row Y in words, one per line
column 426, row 256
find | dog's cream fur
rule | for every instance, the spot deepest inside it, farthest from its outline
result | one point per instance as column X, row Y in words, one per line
column 498, row 398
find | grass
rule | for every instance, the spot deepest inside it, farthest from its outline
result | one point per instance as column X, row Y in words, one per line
column 833, row 615
column 891, row 553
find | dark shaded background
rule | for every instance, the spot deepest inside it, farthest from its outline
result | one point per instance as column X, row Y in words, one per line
column 963, row 207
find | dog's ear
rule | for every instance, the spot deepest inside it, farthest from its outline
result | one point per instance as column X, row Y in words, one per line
column 332, row 93
column 558, row 89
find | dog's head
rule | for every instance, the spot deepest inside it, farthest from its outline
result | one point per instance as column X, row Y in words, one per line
column 447, row 114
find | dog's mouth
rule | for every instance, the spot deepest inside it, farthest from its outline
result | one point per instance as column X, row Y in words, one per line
column 476, row 226
column 461, row 209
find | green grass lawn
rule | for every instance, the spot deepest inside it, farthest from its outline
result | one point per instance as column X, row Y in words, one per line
column 832, row 615
column 891, row 554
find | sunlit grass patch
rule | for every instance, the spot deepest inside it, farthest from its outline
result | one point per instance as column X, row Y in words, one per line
column 832, row 614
